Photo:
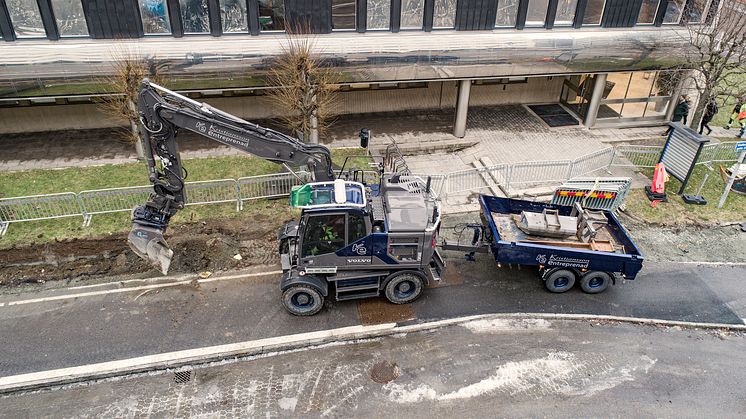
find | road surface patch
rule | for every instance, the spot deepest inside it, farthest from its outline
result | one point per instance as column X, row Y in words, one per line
column 379, row 310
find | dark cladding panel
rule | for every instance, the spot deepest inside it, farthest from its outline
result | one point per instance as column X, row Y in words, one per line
column 473, row 15
column 110, row 19
column 621, row 13
column 313, row 15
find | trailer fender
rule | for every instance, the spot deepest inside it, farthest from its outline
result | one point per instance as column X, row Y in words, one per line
column 548, row 272
column 291, row 278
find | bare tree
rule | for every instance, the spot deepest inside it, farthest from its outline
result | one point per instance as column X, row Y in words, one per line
column 129, row 68
column 716, row 53
column 303, row 86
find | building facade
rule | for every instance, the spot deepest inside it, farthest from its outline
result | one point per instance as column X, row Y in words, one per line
column 604, row 60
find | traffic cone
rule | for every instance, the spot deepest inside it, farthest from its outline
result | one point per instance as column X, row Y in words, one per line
column 656, row 192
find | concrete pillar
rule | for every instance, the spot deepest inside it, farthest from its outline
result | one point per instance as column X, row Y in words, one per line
column 599, row 85
column 462, row 108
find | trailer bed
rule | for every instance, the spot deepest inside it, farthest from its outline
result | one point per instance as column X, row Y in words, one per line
column 511, row 245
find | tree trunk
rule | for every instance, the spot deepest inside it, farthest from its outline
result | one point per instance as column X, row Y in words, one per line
column 704, row 99
column 135, row 132
column 314, row 137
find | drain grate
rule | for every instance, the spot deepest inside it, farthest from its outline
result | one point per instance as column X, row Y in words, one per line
column 384, row 371
column 181, row 377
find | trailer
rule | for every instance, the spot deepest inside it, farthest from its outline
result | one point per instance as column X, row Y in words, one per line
column 596, row 254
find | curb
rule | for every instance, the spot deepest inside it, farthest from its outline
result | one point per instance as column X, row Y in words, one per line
column 170, row 360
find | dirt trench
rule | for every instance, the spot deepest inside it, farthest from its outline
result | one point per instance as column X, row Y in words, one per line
column 204, row 246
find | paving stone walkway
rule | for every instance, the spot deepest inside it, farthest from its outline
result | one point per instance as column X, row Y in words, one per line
column 507, row 133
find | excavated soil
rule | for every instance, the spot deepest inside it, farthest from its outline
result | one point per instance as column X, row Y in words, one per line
column 205, row 246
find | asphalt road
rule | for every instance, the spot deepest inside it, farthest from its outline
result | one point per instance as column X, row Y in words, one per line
column 485, row 368
column 45, row 335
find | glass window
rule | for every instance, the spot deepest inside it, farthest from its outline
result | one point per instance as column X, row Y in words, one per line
column 507, row 13
column 272, row 15
column 537, row 12
column 324, row 234
column 379, row 14
column 444, row 14
column 695, row 10
column 233, row 16
column 565, row 12
column 154, row 15
column 26, row 19
column 594, row 11
column 647, row 12
column 673, row 11
column 411, row 14
column 194, row 16
column 355, row 228
column 343, row 14
column 70, row 17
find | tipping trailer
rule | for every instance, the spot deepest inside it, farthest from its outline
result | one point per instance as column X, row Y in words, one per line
column 600, row 252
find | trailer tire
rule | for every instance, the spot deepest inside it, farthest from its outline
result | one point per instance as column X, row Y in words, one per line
column 302, row 300
column 403, row 287
column 595, row 282
column 560, row 281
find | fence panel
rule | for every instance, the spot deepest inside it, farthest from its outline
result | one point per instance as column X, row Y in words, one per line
column 39, row 207
column 102, row 201
column 592, row 162
column 212, row 192
column 724, row 152
column 466, row 180
column 637, row 156
column 437, row 183
column 534, row 173
column 269, row 186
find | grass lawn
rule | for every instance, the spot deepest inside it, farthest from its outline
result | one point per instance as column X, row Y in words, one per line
column 35, row 182
column 675, row 211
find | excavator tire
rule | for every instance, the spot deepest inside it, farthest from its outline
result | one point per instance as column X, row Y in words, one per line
column 403, row 287
column 302, row 300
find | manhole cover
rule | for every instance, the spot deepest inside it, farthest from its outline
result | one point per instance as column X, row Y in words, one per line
column 384, row 371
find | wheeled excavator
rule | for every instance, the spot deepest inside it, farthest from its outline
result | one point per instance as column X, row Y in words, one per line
column 353, row 239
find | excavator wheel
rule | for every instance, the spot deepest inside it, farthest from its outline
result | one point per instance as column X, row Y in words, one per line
column 403, row 287
column 302, row 300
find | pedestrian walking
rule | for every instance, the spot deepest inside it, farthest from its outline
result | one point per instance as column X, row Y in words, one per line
column 736, row 111
column 680, row 113
column 742, row 119
column 710, row 111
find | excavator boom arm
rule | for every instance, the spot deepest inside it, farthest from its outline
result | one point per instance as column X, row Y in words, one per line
column 162, row 113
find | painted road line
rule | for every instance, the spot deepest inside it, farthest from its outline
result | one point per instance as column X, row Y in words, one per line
column 279, row 344
column 129, row 289
column 185, row 357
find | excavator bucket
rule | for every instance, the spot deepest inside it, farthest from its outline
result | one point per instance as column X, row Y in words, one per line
column 148, row 243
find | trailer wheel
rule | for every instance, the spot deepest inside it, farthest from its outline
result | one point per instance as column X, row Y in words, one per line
column 595, row 282
column 404, row 287
column 302, row 300
column 560, row 280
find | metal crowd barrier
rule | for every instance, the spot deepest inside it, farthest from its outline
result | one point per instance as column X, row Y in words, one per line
column 532, row 173
column 39, row 207
column 592, row 162
column 103, row 201
column 212, row 192
column 636, row 156
column 268, row 186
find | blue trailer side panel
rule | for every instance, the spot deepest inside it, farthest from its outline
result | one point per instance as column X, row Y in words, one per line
column 629, row 264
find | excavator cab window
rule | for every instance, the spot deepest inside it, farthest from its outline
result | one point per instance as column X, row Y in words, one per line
column 355, row 228
column 323, row 234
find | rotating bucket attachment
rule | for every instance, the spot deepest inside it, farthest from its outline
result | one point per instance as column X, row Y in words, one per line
column 148, row 243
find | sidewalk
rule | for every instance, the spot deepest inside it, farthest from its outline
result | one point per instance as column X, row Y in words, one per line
column 505, row 134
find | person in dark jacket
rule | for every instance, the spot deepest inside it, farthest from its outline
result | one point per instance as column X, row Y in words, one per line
column 710, row 111
column 680, row 113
